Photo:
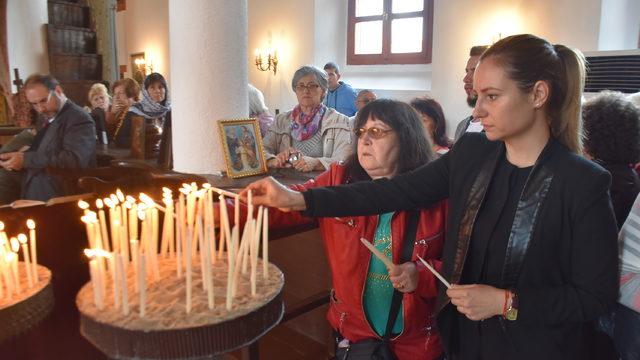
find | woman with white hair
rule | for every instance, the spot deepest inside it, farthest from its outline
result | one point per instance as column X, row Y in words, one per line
column 310, row 136
column 259, row 110
column 100, row 110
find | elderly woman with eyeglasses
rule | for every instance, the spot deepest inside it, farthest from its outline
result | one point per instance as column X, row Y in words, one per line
column 311, row 136
column 390, row 142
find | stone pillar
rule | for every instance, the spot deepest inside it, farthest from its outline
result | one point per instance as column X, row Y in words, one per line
column 208, row 47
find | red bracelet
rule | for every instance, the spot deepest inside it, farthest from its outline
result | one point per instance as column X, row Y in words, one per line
column 506, row 300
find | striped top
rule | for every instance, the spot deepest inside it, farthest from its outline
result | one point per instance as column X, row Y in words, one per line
column 629, row 242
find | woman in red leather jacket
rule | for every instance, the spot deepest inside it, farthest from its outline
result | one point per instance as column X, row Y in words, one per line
column 362, row 289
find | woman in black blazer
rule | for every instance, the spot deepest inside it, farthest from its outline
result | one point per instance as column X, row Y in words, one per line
column 531, row 236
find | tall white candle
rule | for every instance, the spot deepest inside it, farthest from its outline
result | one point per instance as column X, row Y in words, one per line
column 34, row 254
column 15, row 247
column 22, row 238
column 122, row 280
column 103, row 225
column 142, row 284
column 265, row 244
column 135, row 256
column 188, row 271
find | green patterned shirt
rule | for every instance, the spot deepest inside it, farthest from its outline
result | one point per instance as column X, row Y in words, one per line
column 378, row 290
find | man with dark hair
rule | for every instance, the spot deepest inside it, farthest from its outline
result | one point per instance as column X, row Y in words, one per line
column 469, row 124
column 66, row 141
column 340, row 96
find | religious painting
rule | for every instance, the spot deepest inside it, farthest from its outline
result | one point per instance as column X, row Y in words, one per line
column 243, row 150
column 138, row 67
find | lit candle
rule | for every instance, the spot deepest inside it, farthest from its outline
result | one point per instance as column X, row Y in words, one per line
column 22, row 238
column 84, row 206
column 265, row 244
column 133, row 220
column 113, row 220
column 34, row 254
column 88, row 221
column 103, row 225
column 120, row 195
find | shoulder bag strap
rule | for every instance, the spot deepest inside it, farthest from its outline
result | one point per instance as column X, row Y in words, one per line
column 407, row 251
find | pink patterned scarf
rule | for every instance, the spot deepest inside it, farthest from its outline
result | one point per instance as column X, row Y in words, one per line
column 304, row 125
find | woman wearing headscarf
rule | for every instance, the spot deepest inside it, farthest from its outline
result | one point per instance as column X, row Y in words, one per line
column 151, row 114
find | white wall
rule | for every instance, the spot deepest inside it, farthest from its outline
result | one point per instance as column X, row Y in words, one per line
column 26, row 37
column 288, row 27
column 458, row 25
column 144, row 27
column 620, row 25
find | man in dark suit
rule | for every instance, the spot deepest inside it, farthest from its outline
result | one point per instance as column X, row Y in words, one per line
column 66, row 141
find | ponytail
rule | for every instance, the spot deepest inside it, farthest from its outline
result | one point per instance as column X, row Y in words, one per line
column 566, row 126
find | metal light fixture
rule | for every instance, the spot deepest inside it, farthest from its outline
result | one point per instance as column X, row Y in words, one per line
column 270, row 64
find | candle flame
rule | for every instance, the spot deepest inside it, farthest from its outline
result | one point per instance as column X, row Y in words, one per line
column 108, row 202
column 30, row 224
column 22, row 238
column 90, row 253
column 141, row 214
column 129, row 205
column 101, row 253
column 15, row 245
column 114, row 199
column 166, row 190
column 167, row 200
column 1, row 226
column 83, row 204
column 185, row 191
column 146, row 199
column 131, row 199
column 120, row 195
column 99, row 204
column 206, row 186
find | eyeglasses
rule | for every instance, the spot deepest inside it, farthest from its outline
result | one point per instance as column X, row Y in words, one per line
column 310, row 87
column 374, row 132
column 42, row 102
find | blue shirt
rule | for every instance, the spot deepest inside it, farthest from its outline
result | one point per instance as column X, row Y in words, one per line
column 343, row 99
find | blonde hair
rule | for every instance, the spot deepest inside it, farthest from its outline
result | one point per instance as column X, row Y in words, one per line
column 528, row 59
column 98, row 89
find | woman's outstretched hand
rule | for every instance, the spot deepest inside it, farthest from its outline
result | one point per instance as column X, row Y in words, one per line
column 270, row 192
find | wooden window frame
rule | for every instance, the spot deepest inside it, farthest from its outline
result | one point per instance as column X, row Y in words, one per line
column 386, row 57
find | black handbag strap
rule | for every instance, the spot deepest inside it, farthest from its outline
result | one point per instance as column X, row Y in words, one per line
column 407, row 251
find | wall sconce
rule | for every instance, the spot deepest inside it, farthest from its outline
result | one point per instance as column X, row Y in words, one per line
column 271, row 63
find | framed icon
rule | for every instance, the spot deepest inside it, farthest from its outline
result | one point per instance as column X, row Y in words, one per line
column 242, row 145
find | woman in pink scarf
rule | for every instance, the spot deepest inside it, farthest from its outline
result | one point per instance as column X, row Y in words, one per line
column 310, row 136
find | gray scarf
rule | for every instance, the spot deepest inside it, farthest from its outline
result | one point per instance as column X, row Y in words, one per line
column 149, row 108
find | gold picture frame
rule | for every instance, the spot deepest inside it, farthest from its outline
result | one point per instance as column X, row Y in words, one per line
column 243, row 149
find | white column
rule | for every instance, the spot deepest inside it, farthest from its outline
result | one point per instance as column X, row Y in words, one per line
column 208, row 47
